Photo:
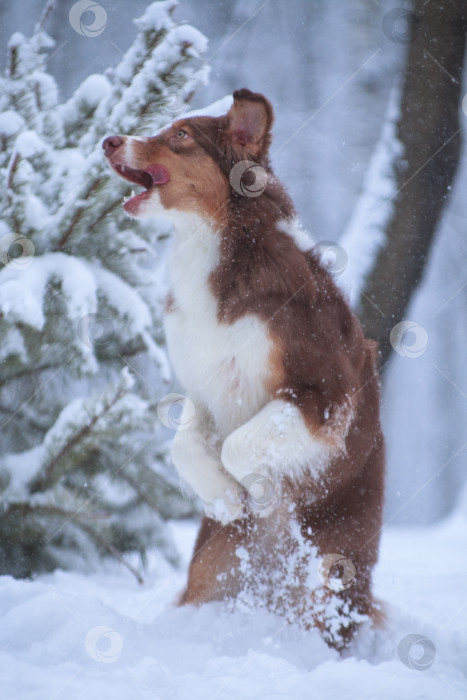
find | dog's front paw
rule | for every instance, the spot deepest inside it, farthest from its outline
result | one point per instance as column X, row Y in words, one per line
column 261, row 487
column 246, row 454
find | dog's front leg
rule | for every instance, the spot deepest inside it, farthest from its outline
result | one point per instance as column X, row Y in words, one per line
column 276, row 442
column 196, row 457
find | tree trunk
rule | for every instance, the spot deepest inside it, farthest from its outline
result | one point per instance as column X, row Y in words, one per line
column 430, row 134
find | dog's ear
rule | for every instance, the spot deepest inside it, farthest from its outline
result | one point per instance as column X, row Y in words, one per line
column 249, row 124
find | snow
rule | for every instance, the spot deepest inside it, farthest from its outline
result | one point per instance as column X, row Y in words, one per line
column 118, row 111
column 157, row 15
column 35, row 212
column 192, row 37
column 85, row 98
column 29, row 143
column 21, row 296
column 99, row 634
column 365, row 233
column 10, row 123
column 131, row 306
column 29, row 51
column 45, row 88
column 162, row 58
column 20, row 470
column 215, row 109
column 16, row 39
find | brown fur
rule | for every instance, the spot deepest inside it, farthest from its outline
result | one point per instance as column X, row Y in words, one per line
column 320, row 362
column 199, row 186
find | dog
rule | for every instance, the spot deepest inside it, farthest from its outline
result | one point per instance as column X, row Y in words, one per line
column 285, row 448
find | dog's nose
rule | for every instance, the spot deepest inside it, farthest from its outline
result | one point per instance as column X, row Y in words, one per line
column 110, row 144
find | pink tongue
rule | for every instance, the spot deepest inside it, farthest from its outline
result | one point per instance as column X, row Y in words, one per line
column 158, row 173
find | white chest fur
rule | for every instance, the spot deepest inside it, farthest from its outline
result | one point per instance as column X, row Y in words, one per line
column 222, row 365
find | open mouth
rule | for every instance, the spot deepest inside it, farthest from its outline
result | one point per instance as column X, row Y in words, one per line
column 149, row 178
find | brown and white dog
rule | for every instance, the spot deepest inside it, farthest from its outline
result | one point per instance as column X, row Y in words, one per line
column 285, row 449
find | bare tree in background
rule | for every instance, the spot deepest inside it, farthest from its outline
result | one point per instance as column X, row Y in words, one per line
column 430, row 134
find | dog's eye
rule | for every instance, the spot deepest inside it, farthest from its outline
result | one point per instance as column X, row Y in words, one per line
column 181, row 134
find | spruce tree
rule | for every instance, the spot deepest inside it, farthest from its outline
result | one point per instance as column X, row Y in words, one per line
column 84, row 466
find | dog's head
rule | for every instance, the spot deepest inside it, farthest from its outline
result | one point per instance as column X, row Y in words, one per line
column 188, row 167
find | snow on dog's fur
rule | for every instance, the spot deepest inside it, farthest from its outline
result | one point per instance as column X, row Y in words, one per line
column 284, row 384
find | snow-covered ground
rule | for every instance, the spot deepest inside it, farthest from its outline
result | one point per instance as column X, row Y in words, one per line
column 81, row 636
